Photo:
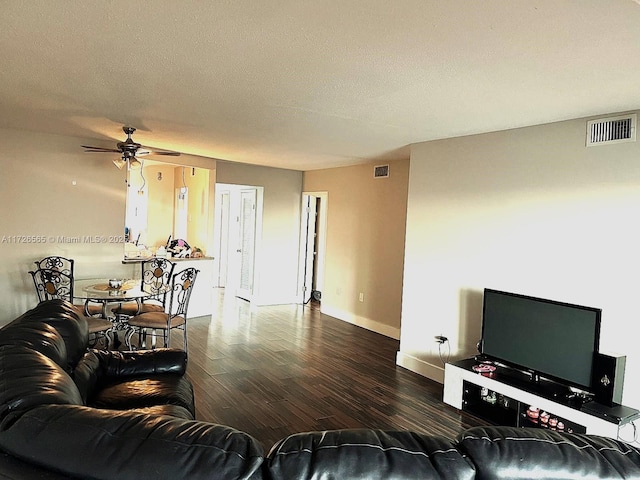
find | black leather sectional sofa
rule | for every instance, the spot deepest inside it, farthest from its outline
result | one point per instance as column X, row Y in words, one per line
column 67, row 411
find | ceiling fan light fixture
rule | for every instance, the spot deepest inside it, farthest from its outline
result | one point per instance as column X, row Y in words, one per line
column 119, row 162
column 134, row 163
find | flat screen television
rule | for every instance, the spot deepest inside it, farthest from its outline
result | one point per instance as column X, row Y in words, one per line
column 546, row 338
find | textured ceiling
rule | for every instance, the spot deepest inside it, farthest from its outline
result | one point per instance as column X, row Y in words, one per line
column 307, row 84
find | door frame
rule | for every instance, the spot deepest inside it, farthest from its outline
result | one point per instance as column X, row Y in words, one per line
column 320, row 242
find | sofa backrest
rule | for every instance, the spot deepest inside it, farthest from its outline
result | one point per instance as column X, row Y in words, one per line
column 62, row 316
column 35, row 364
column 498, row 452
column 30, row 379
column 363, row 453
column 38, row 336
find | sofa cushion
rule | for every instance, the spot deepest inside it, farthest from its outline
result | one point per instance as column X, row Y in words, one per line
column 72, row 328
column 38, row 336
column 366, row 454
column 87, row 374
column 142, row 362
column 170, row 410
column 27, row 379
column 140, row 392
column 128, row 445
column 500, row 452
column 13, row 469
column 98, row 368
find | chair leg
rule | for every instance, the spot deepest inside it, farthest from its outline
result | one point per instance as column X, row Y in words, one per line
column 127, row 337
column 185, row 337
column 94, row 339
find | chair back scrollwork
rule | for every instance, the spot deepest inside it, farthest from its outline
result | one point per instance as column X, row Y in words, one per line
column 55, row 262
column 52, row 284
column 156, row 276
column 182, row 286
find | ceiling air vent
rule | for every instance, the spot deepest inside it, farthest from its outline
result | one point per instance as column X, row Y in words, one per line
column 605, row 131
column 381, row 171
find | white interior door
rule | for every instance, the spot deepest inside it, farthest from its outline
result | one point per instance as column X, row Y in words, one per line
column 247, row 242
column 309, row 245
column 237, row 227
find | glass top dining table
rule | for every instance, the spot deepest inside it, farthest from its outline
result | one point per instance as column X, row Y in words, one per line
column 98, row 291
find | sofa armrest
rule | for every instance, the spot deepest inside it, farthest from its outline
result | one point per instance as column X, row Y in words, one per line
column 143, row 362
column 85, row 442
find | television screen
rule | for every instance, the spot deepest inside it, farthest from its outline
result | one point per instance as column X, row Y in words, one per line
column 553, row 339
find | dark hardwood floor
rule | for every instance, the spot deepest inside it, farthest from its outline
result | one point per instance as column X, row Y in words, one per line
column 276, row 370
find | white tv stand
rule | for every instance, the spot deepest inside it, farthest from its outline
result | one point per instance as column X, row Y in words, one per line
column 504, row 397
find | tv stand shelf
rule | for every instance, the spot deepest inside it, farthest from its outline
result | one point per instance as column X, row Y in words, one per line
column 505, row 396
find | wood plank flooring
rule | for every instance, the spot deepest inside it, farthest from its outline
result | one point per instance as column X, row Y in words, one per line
column 276, row 370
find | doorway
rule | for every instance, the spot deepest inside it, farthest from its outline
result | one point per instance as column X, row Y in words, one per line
column 237, row 227
column 312, row 246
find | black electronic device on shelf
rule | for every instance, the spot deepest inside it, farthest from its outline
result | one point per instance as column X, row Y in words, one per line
column 545, row 338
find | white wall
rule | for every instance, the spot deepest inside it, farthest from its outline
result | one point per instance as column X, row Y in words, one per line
column 277, row 260
column 530, row 211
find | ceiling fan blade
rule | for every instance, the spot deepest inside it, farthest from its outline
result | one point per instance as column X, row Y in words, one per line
column 148, row 151
column 172, row 154
column 99, row 149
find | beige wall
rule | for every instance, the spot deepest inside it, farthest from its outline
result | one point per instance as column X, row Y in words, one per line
column 161, row 194
column 364, row 243
column 197, row 181
column 277, row 258
column 530, row 211
column 52, row 190
column 71, row 202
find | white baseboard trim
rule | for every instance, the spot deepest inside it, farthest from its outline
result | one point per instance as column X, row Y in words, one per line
column 363, row 322
column 426, row 369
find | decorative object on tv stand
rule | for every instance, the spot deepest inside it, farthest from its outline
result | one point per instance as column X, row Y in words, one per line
column 607, row 379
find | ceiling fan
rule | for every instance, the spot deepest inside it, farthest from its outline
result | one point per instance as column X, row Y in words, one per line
column 129, row 150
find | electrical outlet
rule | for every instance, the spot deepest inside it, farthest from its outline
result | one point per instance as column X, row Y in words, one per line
column 361, row 297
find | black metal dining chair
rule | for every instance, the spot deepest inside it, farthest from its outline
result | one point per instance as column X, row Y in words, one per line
column 58, row 284
column 156, row 278
column 66, row 266
column 174, row 315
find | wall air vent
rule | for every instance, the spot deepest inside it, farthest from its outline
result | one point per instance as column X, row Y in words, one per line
column 381, row 171
column 605, row 131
